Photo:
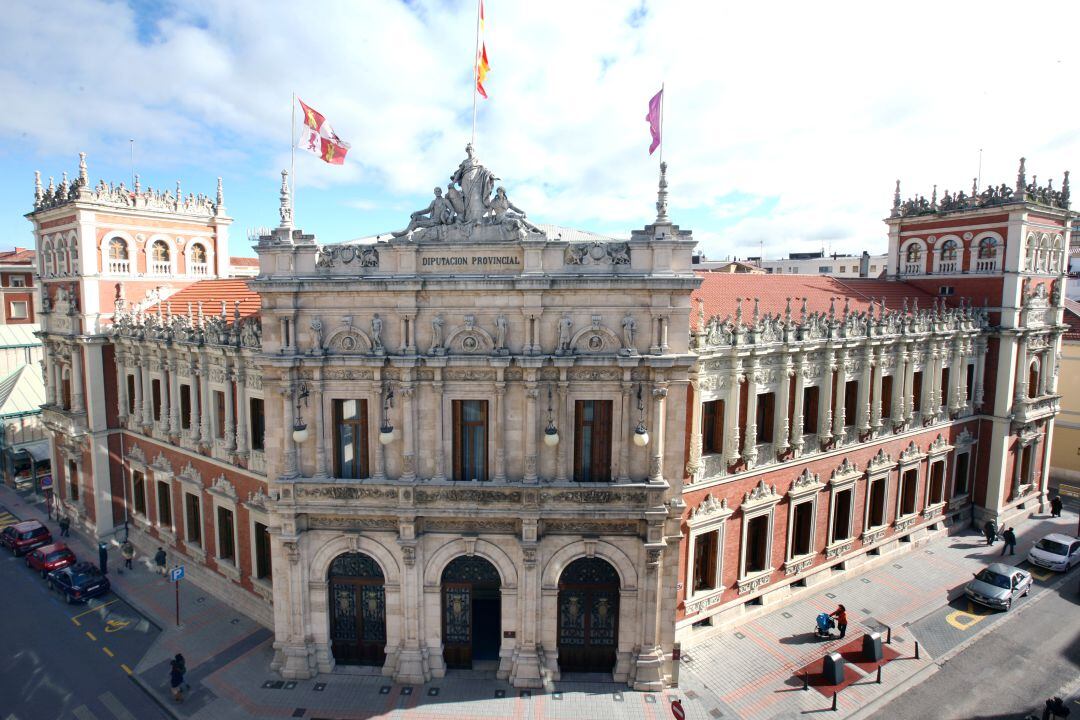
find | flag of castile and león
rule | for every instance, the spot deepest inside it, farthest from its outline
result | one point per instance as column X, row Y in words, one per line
column 318, row 138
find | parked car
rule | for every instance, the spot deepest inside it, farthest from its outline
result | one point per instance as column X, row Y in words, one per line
column 50, row 557
column 1055, row 552
column 998, row 586
column 79, row 582
column 23, row 537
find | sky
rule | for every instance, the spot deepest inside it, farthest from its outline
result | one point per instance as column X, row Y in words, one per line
column 786, row 124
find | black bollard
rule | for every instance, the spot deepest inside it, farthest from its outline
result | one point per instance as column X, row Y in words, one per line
column 888, row 639
column 879, row 674
column 916, row 649
column 834, row 701
column 805, row 680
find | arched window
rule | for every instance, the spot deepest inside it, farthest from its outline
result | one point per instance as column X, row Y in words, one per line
column 74, row 254
column 197, row 259
column 1043, row 255
column 948, row 256
column 1057, row 255
column 913, row 264
column 988, row 248
column 914, row 254
column 1031, row 251
column 118, row 256
column 61, row 258
column 159, row 254
column 949, row 250
column 47, row 258
column 1033, row 389
column 985, row 259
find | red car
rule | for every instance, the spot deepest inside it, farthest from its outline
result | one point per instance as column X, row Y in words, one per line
column 50, row 557
column 23, row 537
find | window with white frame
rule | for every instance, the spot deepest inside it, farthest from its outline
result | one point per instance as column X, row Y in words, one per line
column 706, row 524
column 18, row 310
column 802, row 515
column 18, row 281
column 226, row 534
column 961, row 474
column 757, row 525
column 192, row 519
column 909, row 491
column 160, row 258
column 842, row 502
column 935, row 490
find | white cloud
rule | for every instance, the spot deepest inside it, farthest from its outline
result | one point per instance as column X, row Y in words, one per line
column 819, row 107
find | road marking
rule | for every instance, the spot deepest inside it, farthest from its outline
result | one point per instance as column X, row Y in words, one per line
column 107, row 651
column 109, row 700
column 79, row 624
column 964, row 620
column 116, row 625
column 1041, row 575
column 91, row 636
column 83, row 713
column 126, row 669
column 94, row 609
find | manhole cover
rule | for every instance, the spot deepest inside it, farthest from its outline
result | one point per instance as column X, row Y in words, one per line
column 617, row 696
column 787, row 615
column 384, row 690
column 406, row 691
column 319, row 687
column 500, row 693
column 432, row 692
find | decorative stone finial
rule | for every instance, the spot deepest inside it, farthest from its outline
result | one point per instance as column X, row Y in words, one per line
column 661, row 196
column 179, row 195
column 286, row 201
column 138, row 185
column 1021, row 179
column 933, row 199
column 896, row 201
column 84, row 177
column 37, row 187
column 220, row 194
column 974, row 187
column 1065, row 191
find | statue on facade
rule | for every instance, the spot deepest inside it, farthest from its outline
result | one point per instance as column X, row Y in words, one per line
column 317, row 336
column 436, row 336
column 629, row 328
column 500, row 334
column 476, row 183
column 501, row 211
column 457, row 202
column 376, row 335
column 565, row 327
column 439, row 212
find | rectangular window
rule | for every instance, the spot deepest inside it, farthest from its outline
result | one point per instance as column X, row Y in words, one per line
column 916, row 392
column 592, row 441
column 873, row 268
column 970, row 382
column 706, row 550
column 712, row 426
column 138, row 492
column 155, row 394
column 886, row 396
column 470, row 439
column 185, row 407
column 18, row 310
column 766, row 407
column 219, row 414
column 851, row 402
column 193, row 517
column 131, row 394
column 843, row 268
column 810, row 410
column 936, row 491
column 842, row 518
column 944, row 386
column 960, row 479
column 910, row 483
column 73, row 482
column 226, row 539
column 877, row 503
column 164, row 504
column 802, row 538
column 257, row 423
column 757, row 544
column 350, row 438
column 18, row 281
column 262, row 552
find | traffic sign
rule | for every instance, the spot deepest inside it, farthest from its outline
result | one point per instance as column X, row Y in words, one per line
column 46, row 482
column 677, row 710
column 176, row 573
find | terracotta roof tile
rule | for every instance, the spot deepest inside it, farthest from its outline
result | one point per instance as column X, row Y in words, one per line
column 244, row 261
column 211, row 293
column 18, row 255
column 719, row 291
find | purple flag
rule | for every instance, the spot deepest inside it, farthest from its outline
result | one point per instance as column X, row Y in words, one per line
column 653, row 118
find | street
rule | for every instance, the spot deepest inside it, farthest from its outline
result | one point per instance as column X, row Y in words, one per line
column 1007, row 673
column 68, row 661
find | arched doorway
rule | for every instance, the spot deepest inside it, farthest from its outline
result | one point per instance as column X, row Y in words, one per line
column 357, row 610
column 588, row 616
column 471, row 612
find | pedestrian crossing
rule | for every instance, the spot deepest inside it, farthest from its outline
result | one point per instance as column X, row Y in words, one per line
column 6, row 518
column 115, row 708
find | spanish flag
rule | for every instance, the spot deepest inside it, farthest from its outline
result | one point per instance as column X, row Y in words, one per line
column 482, row 66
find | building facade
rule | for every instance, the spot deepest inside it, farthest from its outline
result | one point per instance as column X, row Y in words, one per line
column 482, row 443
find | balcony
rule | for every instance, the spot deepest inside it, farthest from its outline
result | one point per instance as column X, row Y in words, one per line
column 158, row 267
column 200, row 269
column 63, row 422
column 1028, row 410
column 948, row 266
column 913, row 268
column 120, row 267
column 986, row 265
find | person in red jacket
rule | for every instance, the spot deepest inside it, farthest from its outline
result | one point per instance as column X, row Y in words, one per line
column 840, row 613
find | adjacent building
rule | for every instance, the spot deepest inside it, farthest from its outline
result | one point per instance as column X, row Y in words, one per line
column 482, row 443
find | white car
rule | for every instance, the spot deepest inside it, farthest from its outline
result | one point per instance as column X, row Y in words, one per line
column 1055, row 552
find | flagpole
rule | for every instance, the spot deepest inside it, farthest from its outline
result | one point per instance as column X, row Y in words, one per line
column 292, row 163
column 661, row 123
column 476, row 60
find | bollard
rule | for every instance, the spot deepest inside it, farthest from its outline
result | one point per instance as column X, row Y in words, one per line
column 834, row 701
column 916, row 649
column 878, row 674
column 805, row 680
column 888, row 639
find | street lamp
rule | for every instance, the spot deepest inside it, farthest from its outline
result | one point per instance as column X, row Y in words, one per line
column 299, row 431
column 386, row 430
column 551, row 433
column 641, row 434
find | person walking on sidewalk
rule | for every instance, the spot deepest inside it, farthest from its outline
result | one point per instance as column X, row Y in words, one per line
column 1055, row 507
column 127, row 549
column 177, row 668
column 159, row 560
column 65, row 527
column 840, row 613
column 990, row 531
column 1010, row 541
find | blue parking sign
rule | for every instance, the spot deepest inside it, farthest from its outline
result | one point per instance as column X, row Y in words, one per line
column 176, row 573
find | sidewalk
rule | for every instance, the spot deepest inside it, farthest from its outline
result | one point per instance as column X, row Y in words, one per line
column 745, row 672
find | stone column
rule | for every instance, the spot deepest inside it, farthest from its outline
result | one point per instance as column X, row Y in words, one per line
column 531, row 393
column 561, row 411
column 408, row 434
column 875, row 392
column 121, row 389
column 136, row 365
column 206, row 412
column 928, row 383
column 664, row 334
column 379, row 471
column 797, row 413
column 628, row 428
column 174, row 394
column 953, row 397
column 47, row 370
column 656, row 440
column 230, row 419
column 240, row 375
column 500, row 425
column 148, row 393
column 781, row 423
column 731, row 414
column 78, row 399
column 287, row 398
column 898, row 379
column 440, row 449
column 693, row 465
column 749, row 448
column 862, row 418
column 527, row 665
column 650, row 660
column 980, row 371
column 963, row 397
column 840, row 397
column 318, row 416
column 909, row 383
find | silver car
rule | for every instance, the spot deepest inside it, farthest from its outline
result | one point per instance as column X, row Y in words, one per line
column 1055, row 552
column 998, row 585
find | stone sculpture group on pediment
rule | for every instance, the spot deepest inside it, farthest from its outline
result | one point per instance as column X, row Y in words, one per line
column 472, row 201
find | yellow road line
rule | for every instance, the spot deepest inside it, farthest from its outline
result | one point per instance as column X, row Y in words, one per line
column 126, row 668
column 107, row 651
column 76, row 622
column 94, row 609
column 91, row 636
